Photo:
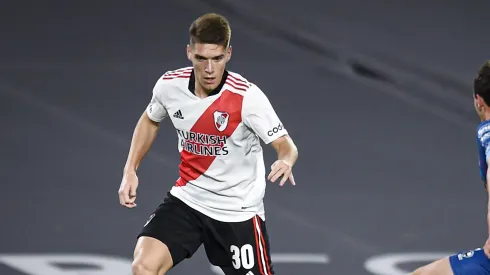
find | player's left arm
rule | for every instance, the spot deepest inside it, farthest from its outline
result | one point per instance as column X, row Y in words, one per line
column 287, row 154
column 259, row 115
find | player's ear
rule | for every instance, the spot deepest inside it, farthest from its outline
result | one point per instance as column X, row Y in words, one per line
column 189, row 52
column 229, row 53
column 480, row 103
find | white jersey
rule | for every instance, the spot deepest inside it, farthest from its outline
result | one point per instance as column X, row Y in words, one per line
column 222, row 173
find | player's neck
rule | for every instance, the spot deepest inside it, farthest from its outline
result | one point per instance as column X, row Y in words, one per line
column 200, row 92
column 486, row 116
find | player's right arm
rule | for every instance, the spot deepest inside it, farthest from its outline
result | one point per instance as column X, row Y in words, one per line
column 144, row 135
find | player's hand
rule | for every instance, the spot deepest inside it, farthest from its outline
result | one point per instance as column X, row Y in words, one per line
column 127, row 190
column 284, row 169
column 486, row 247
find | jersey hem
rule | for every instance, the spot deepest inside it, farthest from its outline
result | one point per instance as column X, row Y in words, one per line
column 236, row 217
column 269, row 141
column 151, row 117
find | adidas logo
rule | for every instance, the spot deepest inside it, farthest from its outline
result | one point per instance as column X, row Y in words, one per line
column 178, row 114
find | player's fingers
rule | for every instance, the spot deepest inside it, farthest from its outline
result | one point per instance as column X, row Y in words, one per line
column 134, row 186
column 119, row 195
column 132, row 191
column 125, row 194
column 274, row 169
column 126, row 197
column 122, row 201
column 279, row 173
column 273, row 172
column 132, row 199
column 285, row 177
column 291, row 179
column 130, row 205
column 132, row 196
column 270, row 175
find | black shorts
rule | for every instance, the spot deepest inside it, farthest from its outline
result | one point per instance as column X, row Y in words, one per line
column 236, row 247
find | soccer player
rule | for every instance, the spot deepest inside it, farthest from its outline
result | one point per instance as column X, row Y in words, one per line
column 220, row 118
column 472, row 262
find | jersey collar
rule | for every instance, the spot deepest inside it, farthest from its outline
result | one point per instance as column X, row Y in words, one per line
column 483, row 123
column 192, row 84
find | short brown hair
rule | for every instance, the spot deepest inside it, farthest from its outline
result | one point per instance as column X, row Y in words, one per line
column 481, row 83
column 210, row 28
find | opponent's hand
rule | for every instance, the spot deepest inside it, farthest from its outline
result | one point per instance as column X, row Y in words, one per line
column 486, row 247
column 127, row 190
column 281, row 168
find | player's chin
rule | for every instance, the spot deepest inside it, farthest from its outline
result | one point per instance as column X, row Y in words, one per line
column 209, row 87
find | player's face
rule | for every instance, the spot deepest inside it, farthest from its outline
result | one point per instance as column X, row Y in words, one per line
column 209, row 61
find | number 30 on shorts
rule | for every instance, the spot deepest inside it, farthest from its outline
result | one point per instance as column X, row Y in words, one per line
column 243, row 257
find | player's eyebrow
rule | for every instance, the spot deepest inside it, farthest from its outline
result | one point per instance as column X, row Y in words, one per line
column 214, row 57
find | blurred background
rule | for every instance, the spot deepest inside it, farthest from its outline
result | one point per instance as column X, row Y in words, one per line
column 376, row 94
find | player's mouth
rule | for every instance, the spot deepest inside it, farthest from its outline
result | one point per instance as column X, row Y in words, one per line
column 209, row 80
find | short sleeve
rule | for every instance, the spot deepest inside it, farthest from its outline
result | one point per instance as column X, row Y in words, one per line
column 156, row 110
column 484, row 138
column 259, row 115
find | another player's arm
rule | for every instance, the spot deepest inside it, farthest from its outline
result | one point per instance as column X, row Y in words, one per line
column 261, row 117
column 487, row 187
column 144, row 135
column 486, row 246
column 484, row 140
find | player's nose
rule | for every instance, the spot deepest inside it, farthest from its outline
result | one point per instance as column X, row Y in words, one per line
column 209, row 67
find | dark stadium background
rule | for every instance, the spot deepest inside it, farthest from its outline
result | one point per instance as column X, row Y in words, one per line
column 376, row 95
